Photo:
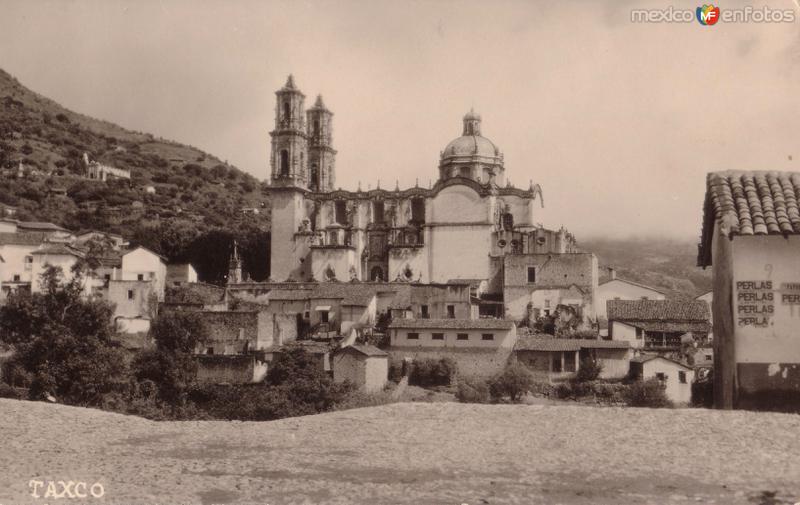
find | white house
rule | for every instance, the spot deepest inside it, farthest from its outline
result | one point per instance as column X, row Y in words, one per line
column 142, row 264
column 675, row 376
column 56, row 255
column 179, row 274
column 366, row 366
column 621, row 289
column 751, row 239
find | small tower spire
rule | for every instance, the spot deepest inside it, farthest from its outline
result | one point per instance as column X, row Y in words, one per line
column 235, row 266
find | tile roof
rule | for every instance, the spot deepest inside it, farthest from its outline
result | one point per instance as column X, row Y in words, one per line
column 551, row 344
column 350, row 293
column 657, row 310
column 457, row 324
column 749, row 203
column 8, row 238
column 39, row 226
column 62, row 249
column 672, row 326
column 289, row 294
column 366, row 350
column 644, row 358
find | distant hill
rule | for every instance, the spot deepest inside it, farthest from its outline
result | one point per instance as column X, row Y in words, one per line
column 667, row 264
column 190, row 185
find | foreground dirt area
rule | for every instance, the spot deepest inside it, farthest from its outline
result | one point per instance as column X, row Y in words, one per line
column 437, row 453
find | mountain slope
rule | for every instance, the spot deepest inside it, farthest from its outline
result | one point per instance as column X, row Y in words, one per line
column 49, row 140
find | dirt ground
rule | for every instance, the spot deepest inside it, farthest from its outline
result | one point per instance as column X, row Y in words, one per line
column 420, row 453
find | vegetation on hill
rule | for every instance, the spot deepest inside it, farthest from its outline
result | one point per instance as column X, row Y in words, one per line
column 662, row 263
column 179, row 198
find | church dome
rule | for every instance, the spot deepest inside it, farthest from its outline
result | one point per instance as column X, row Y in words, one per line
column 472, row 155
column 471, row 145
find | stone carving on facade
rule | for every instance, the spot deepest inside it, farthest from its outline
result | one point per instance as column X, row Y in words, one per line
column 353, row 274
column 330, row 273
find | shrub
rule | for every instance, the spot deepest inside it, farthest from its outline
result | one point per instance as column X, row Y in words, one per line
column 472, row 392
column 26, row 149
column 514, row 382
column 649, row 393
column 703, row 393
column 589, row 370
column 432, row 372
column 7, row 391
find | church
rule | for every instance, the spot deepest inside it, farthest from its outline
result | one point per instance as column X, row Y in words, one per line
column 463, row 228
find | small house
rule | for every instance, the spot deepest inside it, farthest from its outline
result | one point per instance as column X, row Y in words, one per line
column 657, row 325
column 559, row 358
column 365, row 366
column 675, row 376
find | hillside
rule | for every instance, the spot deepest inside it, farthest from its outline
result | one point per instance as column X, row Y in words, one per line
column 49, row 140
column 411, row 453
column 667, row 264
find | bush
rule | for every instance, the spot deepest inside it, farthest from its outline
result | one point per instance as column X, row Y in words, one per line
column 432, row 372
column 473, row 392
column 703, row 393
column 649, row 393
column 513, row 382
column 589, row 370
column 7, row 391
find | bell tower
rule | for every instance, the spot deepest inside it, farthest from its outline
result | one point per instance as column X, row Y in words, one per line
column 321, row 154
column 289, row 143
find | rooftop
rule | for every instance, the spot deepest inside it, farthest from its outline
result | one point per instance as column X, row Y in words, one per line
column 456, row 324
column 749, row 203
column 9, row 238
column 366, row 350
column 552, row 344
column 657, row 310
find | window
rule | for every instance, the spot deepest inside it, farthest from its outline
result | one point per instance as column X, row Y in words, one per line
column 438, row 336
column 314, row 176
column 316, row 127
column 487, row 336
column 682, row 377
column 547, row 304
column 418, row 210
column 639, row 333
column 29, row 259
column 464, row 172
column 546, row 312
column 569, row 361
column 286, row 110
column 661, row 376
column 377, row 212
column 107, row 277
column 140, row 277
column 323, row 316
column 556, row 362
column 130, row 294
column 340, row 212
column 413, row 336
column 531, row 275
column 209, row 350
column 16, row 278
column 709, row 357
column 451, row 311
column 508, row 221
column 424, row 311
column 462, row 336
column 285, row 163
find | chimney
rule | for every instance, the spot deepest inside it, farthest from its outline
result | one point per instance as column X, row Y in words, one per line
column 612, row 273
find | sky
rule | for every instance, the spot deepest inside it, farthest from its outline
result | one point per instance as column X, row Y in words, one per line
column 617, row 121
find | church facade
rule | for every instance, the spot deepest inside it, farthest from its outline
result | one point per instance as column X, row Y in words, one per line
column 461, row 228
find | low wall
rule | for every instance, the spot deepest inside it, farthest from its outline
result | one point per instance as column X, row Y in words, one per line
column 477, row 363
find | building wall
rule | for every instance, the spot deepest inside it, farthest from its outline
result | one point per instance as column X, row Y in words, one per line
column 415, row 258
column 42, row 261
column 680, row 393
column 569, row 278
column 230, row 369
column 369, row 374
column 765, row 316
column 137, row 307
column 287, row 215
column 15, row 262
column 143, row 262
column 479, row 363
column 626, row 332
column 341, row 259
column 502, row 338
column 458, row 251
column 618, row 289
column 233, row 332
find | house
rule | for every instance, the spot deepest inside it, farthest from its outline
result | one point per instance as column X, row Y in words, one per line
column 17, row 271
column 620, row 289
column 559, row 358
column 113, row 240
column 180, row 273
column 99, row 172
column 709, row 299
column 236, row 332
column 58, row 255
column 657, row 324
column 53, row 232
column 676, row 377
column 365, row 366
column 142, row 264
column 480, row 347
column 751, row 239
column 135, row 305
column 536, row 284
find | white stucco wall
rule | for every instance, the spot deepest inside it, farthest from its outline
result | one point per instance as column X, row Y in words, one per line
column 680, row 393
column 622, row 331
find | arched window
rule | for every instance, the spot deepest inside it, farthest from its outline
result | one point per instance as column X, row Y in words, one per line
column 287, row 110
column 285, row 163
column 464, row 172
column 314, row 183
column 316, row 127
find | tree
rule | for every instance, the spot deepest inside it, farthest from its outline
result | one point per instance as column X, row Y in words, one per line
column 649, row 393
column 589, row 370
column 514, row 382
column 63, row 341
